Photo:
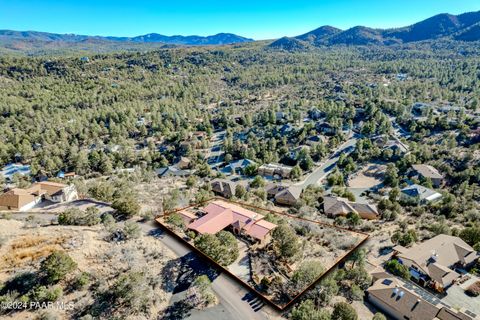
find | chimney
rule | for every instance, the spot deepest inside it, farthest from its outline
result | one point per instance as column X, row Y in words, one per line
column 401, row 294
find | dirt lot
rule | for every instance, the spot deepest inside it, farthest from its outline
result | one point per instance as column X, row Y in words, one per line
column 369, row 176
column 83, row 204
column 23, row 248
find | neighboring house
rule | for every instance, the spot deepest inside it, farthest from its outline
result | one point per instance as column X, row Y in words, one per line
column 393, row 299
column 66, row 175
column 14, row 168
column 25, row 199
column 184, row 163
column 275, row 169
column 223, row 187
column 172, row 171
column 315, row 114
column 293, row 154
column 221, row 214
column 326, row 128
column 289, row 196
column 428, row 172
column 397, row 146
column 283, row 194
column 337, row 206
column 420, row 194
column 314, row 140
column 286, row 129
column 420, row 109
column 237, row 167
column 280, row 116
column 433, row 262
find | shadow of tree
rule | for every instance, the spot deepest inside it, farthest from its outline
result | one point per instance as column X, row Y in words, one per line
column 181, row 272
column 178, row 310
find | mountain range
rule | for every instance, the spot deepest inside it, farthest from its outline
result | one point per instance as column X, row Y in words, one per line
column 9, row 36
column 463, row 27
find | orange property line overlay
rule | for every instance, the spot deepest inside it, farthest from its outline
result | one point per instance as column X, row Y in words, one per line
column 242, row 282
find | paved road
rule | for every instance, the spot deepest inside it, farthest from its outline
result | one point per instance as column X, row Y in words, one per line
column 216, row 152
column 235, row 301
column 321, row 172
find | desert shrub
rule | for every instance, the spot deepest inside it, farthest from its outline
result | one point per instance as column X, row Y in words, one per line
column 344, row 311
column 127, row 206
column 44, row 294
column 200, row 293
column 76, row 217
column 406, row 238
column 285, row 241
column 57, row 266
column 474, row 289
column 132, row 291
column 306, row 273
column 81, row 281
column 379, row 316
column 306, row 310
column 222, row 247
column 397, row 268
column 175, row 220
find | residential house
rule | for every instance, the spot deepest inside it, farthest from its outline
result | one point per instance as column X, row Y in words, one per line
column 420, row 109
column 275, row 169
column 14, row 168
column 294, row 153
column 393, row 299
column 280, row 116
column 315, row 140
column 337, row 206
column 434, row 262
column 289, row 196
column 428, row 172
column 221, row 214
column 223, row 187
column 315, row 114
column 172, row 171
column 286, row 129
column 238, row 166
column 25, row 199
column 326, row 128
column 420, row 194
column 284, row 194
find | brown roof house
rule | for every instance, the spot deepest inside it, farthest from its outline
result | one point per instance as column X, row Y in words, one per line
column 428, row 172
column 395, row 300
column 274, row 169
column 284, row 194
column 221, row 214
column 337, row 206
column 25, row 199
column 433, row 262
column 223, row 187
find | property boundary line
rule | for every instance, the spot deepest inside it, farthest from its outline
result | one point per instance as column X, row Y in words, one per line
column 242, row 282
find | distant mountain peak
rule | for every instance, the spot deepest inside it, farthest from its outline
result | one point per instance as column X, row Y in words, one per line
column 464, row 27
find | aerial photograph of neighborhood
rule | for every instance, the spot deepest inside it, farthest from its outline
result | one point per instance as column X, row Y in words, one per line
column 257, row 160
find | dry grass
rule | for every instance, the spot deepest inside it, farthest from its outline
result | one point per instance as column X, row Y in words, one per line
column 30, row 248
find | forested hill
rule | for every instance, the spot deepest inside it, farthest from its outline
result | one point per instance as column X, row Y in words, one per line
column 34, row 42
column 113, row 111
column 463, row 27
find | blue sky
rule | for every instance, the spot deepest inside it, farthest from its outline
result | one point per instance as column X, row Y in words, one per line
column 259, row 19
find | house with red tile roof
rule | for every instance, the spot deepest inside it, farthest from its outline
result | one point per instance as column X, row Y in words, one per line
column 221, row 214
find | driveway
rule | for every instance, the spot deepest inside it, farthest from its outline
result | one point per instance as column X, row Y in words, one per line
column 235, row 301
